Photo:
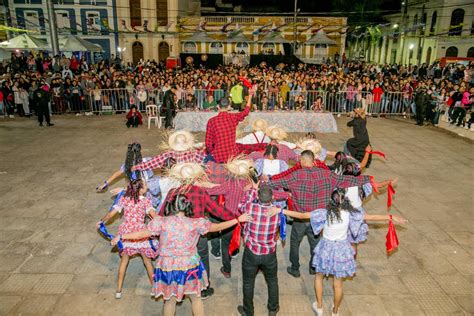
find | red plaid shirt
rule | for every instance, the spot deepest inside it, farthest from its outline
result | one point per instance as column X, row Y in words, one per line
column 311, row 188
column 233, row 191
column 220, row 135
column 284, row 153
column 216, row 172
column 157, row 162
column 317, row 163
column 260, row 234
column 201, row 201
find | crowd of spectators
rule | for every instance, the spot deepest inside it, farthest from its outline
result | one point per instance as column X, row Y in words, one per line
column 78, row 86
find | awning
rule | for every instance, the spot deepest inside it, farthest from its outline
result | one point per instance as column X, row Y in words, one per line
column 321, row 38
column 25, row 41
column 274, row 37
column 200, row 36
column 71, row 43
column 238, row 38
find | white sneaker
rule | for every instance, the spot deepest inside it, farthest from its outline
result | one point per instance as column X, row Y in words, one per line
column 12, row 116
column 118, row 295
column 472, row 128
column 318, row 311
column 334, row 314
column 465, row 127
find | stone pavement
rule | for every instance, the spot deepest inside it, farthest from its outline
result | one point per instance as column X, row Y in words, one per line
column 54, row 262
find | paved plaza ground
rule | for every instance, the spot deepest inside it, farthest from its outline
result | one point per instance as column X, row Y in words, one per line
column 53, row 261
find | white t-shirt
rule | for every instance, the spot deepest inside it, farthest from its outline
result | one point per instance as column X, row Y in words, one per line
column 271, row 167
column 166, row 184
column 353, row 195
column 337, row 230
column 257, row 137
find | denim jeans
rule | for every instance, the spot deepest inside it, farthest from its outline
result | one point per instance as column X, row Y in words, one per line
column 298, row 230
column 203, row 251
column 251, row 264
column 1, row 108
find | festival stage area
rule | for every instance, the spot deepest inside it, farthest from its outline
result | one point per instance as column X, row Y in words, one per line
column 53, row 261
column 290, row 121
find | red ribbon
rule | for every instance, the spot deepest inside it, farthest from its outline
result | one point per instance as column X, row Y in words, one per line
column 289, row 202
column 374, row 186
column 235, row 241
column 221, row 200
column 391, row 239
column 390, row 193
column 246, row 82
column 378, row 153
column 194, row 273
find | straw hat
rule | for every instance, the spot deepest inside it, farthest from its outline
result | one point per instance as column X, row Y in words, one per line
column 276, row 132
column 181, row 141
column 186, row 172
column 259, row 125
column 310, row 144
column 360, row 112
column 239, row 168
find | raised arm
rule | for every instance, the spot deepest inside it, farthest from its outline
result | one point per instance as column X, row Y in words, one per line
column 154, row 163
column 107, row 217
column 224, row 225
column 347, row 181
column 385, row 217
column 242, row 115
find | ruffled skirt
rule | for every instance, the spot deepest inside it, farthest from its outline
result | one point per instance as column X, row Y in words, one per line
column 178, row 282
column 361, row 236
column 147, row 247
column 334, row 258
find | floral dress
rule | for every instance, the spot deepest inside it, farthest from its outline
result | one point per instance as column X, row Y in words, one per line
column 133, row 220
column 179, row 270
column 334, row 255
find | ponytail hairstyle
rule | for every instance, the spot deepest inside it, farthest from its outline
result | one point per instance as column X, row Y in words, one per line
column 337, row 203
column 353, row 169
column 179, row 204
column 134, row 157
column 133, row 190
column 338, row 161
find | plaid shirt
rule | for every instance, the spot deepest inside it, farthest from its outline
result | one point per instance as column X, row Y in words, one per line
column 260, row 234
column 159, row 161
column 216, row 172
column 311, row 188
column 297, row 166
column 220, row 135
column 284, row 153
column 233, row 191
column 201, row 201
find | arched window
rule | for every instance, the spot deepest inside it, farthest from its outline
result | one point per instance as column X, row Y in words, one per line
column 216, row 48
column 135, row 12
column 470, row 52
column 457, row 18
column 242, row 46
column 428, row 55
column 162, row 12
column 137, row 52
column 433, row 23
column 190, row 47
column 452, row 51
column 163, row 51
column 268, row 48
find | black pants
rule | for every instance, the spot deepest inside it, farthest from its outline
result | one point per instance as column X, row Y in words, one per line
column 298, row 230
column 203, row 251
column 251, row 263
column 133, row 122
column 451, row 112
column 225, row 237
column 458, row 116
column 419, row 114
column 169, row 118
column 43, row 111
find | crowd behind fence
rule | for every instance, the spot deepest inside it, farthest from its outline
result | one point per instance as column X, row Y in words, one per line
column 108, row 101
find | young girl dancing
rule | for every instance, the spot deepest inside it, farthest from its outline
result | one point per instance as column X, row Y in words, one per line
column 334, row 255
column 135, row 207
column 179, row 270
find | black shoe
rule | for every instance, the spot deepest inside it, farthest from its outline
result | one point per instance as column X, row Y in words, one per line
column 40, row 124
column 225, row 274
column 205, row 294
column 312, row 271
column 241, row 311
column 50, row 124
column 292, row 272
column 273, row 313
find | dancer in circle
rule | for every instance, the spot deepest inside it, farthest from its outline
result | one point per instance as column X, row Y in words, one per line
column 258, row 135
column 179, row 270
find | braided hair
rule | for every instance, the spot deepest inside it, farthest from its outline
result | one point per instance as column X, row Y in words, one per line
column 337, row 203
column 179, row 204
column 133, row 190
column 134, row 157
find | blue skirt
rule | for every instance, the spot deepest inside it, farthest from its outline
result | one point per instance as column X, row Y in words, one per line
column 334, row 258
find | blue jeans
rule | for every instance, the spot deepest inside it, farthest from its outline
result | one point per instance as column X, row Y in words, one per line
column 1, row 108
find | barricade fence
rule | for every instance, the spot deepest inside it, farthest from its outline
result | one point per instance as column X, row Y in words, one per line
column 109, row 101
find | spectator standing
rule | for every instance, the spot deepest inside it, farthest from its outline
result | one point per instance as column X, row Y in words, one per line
column 42, row 98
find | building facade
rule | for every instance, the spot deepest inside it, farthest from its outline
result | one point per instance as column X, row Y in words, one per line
column 426, row 31
column 94, row 20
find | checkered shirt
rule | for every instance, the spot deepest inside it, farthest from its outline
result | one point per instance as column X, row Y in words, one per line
column 159, row 161
column 201, row 201
column 233, row 191
column 311, row 188
column 297, row 166
column 220, row 135
column 260, row 235
column 284, row 153
column 216, row 172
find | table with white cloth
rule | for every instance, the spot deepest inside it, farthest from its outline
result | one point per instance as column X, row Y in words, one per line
column 196, row 121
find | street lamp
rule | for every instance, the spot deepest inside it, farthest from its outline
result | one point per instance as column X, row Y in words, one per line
column 395, row 26
column 121, row 50
column 410, row 48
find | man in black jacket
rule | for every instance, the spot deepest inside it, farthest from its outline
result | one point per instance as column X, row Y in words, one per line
column 422, row 100
column 169, row 106
column 42, row 97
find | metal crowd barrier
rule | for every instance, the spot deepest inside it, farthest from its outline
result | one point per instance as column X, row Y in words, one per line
column 108, row 101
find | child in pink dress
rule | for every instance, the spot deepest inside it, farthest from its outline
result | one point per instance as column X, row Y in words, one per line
column 135, row 207
column 179, row 270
